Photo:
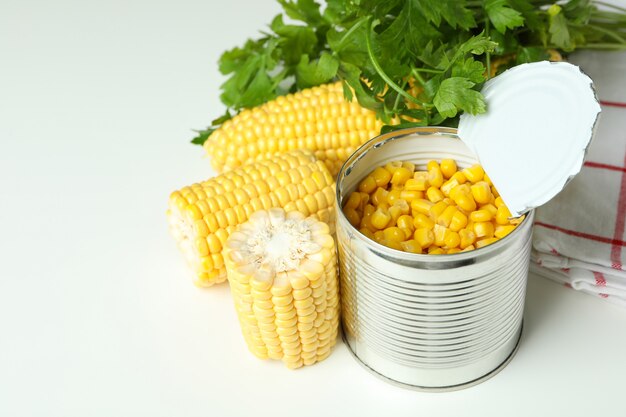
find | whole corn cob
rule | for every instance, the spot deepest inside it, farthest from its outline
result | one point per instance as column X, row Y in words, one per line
column 318, row 119
column 202, row 216
column 282, row 270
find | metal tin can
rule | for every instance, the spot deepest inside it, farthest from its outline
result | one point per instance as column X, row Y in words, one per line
column 429, row 322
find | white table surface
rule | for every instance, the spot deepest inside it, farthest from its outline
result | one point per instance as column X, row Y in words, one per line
column 98, row 316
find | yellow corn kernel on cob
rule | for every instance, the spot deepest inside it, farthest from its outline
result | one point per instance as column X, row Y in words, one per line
column 318, row 119
column 202, row 216
column 282, row 270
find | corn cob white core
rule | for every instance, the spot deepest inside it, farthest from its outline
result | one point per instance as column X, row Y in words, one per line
column 182, row 230
column 274, row 241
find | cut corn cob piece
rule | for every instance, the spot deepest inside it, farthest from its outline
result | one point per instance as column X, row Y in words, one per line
column 202, row 216
column 282, row 270
column 318, row 119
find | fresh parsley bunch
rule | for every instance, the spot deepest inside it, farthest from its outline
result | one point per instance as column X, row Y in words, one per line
column 415, row 62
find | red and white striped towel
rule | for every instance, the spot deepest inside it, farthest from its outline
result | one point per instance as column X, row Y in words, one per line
column 579, row 236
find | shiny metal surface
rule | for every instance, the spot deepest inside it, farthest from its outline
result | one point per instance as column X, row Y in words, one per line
column 431, row 322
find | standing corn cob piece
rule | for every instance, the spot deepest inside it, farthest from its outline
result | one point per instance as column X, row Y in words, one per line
column 202, row 216
column 318, row 119
column 282, row 269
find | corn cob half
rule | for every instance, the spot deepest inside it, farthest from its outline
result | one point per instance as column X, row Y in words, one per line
column 318, row 119
column 282, row 270
column 202, row 216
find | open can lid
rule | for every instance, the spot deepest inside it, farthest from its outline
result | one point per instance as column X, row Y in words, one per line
column 533, row 138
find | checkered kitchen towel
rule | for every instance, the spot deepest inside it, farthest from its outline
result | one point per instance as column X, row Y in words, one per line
column 579, row 236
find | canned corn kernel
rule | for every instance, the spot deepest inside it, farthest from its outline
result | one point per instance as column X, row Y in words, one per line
column 428, row 322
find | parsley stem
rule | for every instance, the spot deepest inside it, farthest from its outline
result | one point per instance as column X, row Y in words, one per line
column 600, row 29
column 605, row 46
column 426, row 106
column 397, row 101
column 599, row 46
column 488, row 54
column 417, row 75
column 610, row 16
column 610, row 5
column 381, row 72
column 431, row 71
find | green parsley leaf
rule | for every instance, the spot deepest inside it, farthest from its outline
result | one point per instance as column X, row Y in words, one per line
column 435, row 58
column 307, row 11
column 578, row 11
column 377, row 8
column 409, row 32
column 232, row 60
column 452, row 11
column 471, row 69
column 202, row 136
column 349, row 43
column 477, row 45
column 257, row 91
column 340, row 11
column 250, row 85
column 502, row 16
column 418, row 32
column 432, row 86
column 456, row 94
column 559, row 32
column 352, row 75
column 532, row 19
column 294, row 41
column 317, row 72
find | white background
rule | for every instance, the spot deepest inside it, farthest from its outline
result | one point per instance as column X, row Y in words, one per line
column 98, row 315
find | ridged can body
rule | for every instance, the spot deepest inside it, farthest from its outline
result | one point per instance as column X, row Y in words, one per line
column 431, row 322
